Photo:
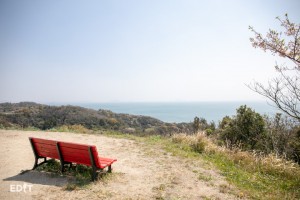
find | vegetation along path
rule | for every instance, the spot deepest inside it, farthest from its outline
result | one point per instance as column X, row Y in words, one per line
column 144, row 170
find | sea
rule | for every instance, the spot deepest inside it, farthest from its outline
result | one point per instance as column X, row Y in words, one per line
column 180, row 111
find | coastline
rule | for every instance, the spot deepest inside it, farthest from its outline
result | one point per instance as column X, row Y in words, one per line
column 178, row 112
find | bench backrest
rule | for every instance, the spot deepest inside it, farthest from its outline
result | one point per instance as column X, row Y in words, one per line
column 44, row 148
column 70, row 152
column 78, row 153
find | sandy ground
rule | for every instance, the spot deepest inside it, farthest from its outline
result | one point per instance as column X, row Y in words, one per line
column 141, row 172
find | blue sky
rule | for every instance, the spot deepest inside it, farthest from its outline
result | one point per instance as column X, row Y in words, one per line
column 135, row 51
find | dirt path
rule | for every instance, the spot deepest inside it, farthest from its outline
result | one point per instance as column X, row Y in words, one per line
column 140, row 172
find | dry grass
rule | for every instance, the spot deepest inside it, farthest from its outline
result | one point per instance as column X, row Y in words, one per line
column 252, row 172
column 197, row 142
column 77, row 128
column 269, row 164
column 251, row 160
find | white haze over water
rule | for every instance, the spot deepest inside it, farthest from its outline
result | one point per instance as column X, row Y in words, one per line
column 180, row 111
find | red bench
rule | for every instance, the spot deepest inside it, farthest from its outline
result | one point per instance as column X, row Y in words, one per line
column 69, row 153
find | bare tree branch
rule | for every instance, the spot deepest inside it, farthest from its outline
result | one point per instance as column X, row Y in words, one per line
column 283, row 91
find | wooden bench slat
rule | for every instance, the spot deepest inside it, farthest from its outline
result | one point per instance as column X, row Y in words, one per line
column 104, row 162
column 74, row 146
column 78, row 153
column 49, row 155
column 43, row 141
column 45, row 147
column 78, row 161
column 75, row 154
column 74, row 151
column 46, row 150
column 108, row 159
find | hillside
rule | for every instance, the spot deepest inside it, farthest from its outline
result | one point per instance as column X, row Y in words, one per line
column 44, row 117
column 143, row 171
column 152, row 167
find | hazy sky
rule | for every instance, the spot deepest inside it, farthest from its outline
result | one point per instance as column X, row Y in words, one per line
column 135, row 51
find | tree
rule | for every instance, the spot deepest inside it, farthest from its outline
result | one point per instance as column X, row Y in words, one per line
column 284, row 90
column 282, row 138
column 225, row 122
column 196, row 124
column 247, row 129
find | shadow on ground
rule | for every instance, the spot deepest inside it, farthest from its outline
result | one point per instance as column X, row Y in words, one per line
column 43, row 178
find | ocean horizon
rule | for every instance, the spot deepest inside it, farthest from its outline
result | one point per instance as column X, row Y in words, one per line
column 176, row 112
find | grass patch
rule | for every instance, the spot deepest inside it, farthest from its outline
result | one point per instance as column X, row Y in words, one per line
column 161, row 187
column 224, row 188
column 77, row 128
column 257, row 176
column 51, row 166
column 204, row 177
column 255, row 183
column 81, row 174
column 116, row 134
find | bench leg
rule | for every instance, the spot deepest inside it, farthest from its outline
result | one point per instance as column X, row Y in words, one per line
column 94, row 173
column 109, row 169
column 36, row 162
column 62, row 167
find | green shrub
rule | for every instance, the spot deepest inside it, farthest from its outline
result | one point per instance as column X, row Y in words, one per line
column 198, row 145
column 246, row 129
column 196, row 124
column 196, row 142
column 283, row 137
column 209, row 131
column 225, row 122
column 77, row 128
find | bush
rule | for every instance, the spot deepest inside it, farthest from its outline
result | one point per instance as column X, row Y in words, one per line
column 196, row 142
column 209, row 131
column 246, row 129
column 225, row 122
column 77, row 128
column 179, row 138
column 283, row 137
column 295, row 144
column 196, row 124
